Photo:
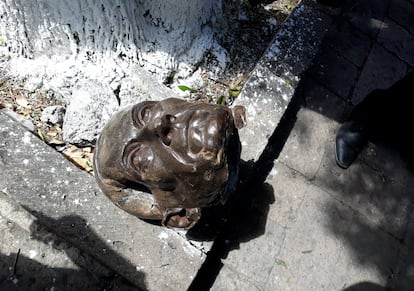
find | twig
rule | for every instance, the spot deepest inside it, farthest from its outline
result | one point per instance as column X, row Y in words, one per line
column 13, row 271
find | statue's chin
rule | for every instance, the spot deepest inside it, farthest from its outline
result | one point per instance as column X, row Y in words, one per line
column 183, row 218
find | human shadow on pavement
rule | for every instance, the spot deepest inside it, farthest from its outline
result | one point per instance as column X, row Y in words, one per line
column 94, row 256
column 18, row 272
column 365, row 286
column 379, row 189
column 373, row 217
column 373, row 198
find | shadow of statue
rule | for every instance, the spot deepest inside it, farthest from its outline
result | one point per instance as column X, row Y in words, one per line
column 240, row 220
column 244, row 216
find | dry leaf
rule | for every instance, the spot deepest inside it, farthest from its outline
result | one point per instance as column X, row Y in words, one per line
column 41, row 134
column 87, row 149
column 22, row 101
column 82, row 157
column 58, row 129
column 6, row 105
column 73, row 148
column 73, row 155
column 56, row 142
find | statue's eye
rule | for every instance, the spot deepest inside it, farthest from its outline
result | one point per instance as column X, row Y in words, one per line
column 141, row 159
column 138, row 157
column 142, row 113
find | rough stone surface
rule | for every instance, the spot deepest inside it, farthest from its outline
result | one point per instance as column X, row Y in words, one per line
column 344, row 229
column 91, row 103
column 32, row 258
column 230, row 280
column 19, row 118
column 305, row 137
column 156, row 34
column 129, row 49
column 328, row 224
column 384, row 70
column 390, row 39
column 246, row 256
column 68, row 202
column 368, row 191
column 272, row 83
column 91, row 106
column 288, row 195
column 53, row 114
column 350, row 42
column 331, row 229
column 329, row 61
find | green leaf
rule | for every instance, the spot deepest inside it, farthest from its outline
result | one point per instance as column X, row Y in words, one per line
column 221, row 100
column 234, row 91
column 281, row 263
column 186, row 88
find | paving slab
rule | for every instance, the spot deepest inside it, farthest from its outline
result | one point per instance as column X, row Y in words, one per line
column 68, row 202
column 402, row 11
column 404, row 271
column 319, row 98
column 308, row 138
column 333, row 70
column 231, row 280
column 366, row 15
column 329, row 247
column 349, row 41
column 310, row 226
column 247, row 257
column 382, row 69
column 32, row 258
column 289, row 194
column 397, row 40
column 382, row 201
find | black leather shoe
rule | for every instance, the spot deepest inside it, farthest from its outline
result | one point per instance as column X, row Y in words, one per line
column 351, row 138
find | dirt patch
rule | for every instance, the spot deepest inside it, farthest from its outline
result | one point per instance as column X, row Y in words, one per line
column 251, row 29
column 31, row 105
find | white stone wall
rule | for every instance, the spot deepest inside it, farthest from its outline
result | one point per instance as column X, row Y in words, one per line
column 160, row 35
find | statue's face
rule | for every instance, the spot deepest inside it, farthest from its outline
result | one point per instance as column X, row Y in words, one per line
column 178, row 150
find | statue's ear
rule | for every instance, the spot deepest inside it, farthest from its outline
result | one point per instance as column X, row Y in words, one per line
column 239, row 116
column 184, row 218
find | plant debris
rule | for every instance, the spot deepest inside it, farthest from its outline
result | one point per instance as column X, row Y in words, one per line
column 251, row 35
column 30, row 105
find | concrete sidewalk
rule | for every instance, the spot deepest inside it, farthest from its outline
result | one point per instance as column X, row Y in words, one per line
column 299, row 222
column 313, row 225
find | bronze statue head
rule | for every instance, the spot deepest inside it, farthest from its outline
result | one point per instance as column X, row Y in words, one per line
column 167, row 159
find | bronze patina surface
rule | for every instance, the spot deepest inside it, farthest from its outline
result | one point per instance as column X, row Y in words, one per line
column 167, row 159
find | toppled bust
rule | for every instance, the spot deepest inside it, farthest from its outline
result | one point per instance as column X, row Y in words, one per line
column 165, row 160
